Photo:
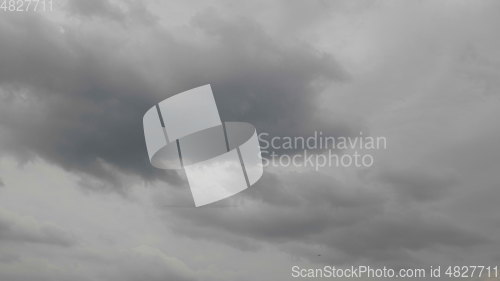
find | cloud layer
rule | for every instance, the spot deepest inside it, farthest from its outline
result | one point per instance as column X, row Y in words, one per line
column 75, row 83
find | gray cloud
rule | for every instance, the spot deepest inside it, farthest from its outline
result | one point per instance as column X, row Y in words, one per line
column 100, row 8
column 391, row 237
column 148, row 264
column 84, row 102
column 17, row 229
column 125, row 12
column 353, row 221
column 261, row 79
column 140, row 263
column 59, row 101
column 419, row 184
column 73, row 91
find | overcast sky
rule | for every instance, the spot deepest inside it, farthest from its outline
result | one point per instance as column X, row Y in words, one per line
column 79, row 199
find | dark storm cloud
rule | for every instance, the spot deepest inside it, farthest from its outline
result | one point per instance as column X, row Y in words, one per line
column 76, row 97
column 74, row 92
column 391, row 236
column 270, row 83
column 352, row 220
column 69, row 101
column 293, row 208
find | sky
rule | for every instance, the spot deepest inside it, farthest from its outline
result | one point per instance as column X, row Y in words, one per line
column 79, row 199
